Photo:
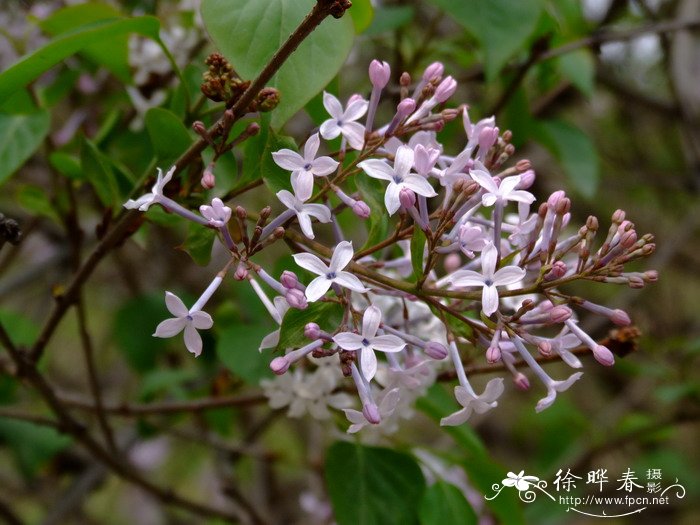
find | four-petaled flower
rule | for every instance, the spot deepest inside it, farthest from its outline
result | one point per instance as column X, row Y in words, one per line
column 304, row 211
column 520, row 481
column 329, row 274
column 304, row 168
column 387, row 405
column 399, row 177
column 184, row 319
column 343, row 122
column 217, row 214
column 500, row 193
column 145, row 201
column 369, row 341
column 472, row 403
column 489, row 278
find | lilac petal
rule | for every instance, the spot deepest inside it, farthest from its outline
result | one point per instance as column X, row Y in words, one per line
column 286, row 198
column 320, row 211
column 569, row 358
column 420, row 185
column 342, row 255
column 333, row 106
column 270, row 340
column 311, row 147
column 370, row 321
column 368, row 363
column 356, row 418
column 348, row 340
column 355, row 110
column 463, row 396
column 175, row 305
column 305, row 224
column 323, row 166
column 193, row 340
column 317, row 288
column 494, row 389
column 489, row 299
column 488, row 260
column 388, row 343
column 312, row 263
column 329, row 129
column 484, row 180
column 288, row 159
column 389, row 401
column 349, row 281
column 488, row 200
column 508, row 275
column 377, row 169
column 509, row 184
column 391, row 197
column 463, row 278
column 170, row 327
column 302, row 184
column 403, row 161
column 355, row 133
column 142, row 203
column 201, row 320
column 521, row 196
column 456, row 418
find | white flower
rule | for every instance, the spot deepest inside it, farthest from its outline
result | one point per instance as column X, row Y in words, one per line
column 500, row 193
column 471, row 239
column 369, row 341
column 553, row 387
column 519, row 481
column 304, row 168
column 145, row 201
column 217, row 214
column 387, row 405
column 489, row 279
column 344, row 121
column 273, row 338
column 342, row 255
column 399, row 177
column 184, row 319
column 304, row 212
column 473, row 403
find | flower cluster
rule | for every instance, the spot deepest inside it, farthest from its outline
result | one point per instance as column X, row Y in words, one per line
column 468, row 264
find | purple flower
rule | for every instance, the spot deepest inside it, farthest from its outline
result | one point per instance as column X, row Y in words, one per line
column 304, row 212
column 146, row 200
column 473, row 403
column 217, row 214
column 343, row 122
column 500, row 193
column 189, row 321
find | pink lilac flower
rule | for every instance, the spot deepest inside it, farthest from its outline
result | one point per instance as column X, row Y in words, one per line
column 304, row 212
column 500, row 193
column 188, row 320
column 343, row 122
column 217, row 214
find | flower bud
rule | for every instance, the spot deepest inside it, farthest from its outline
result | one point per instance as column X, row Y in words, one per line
column 312, row 331
column 434, row 70
column 545, row 348
column 493, row 354
column 554, row 199
column 279, row 365
column 651, row 276
column 452, row 262
column 208, row 179
column 521, row 381
column 527, row 179
column 289, row 279
column 435, row 350
column 618, row 216
column 405, row 79
column 560, row 313
column 371, row 413
column 407, row 198
column 405, row 108
column 603, row 355
column 241, row 272
column 446, row 89
column 620, row 318
column 635, row 282
column 487, row 138
column 361, row 209
column 379, row 74
column 628, row 239
column 296, row 299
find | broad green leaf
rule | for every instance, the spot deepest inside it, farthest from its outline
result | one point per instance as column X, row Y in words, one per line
column 390, row 17
column 20, row 137
column 34, row 199
column 444, row 504
column 198, row 243
column 248, row 32
column 258, row 162
column 22, row 330
column 168, row 134
column 29, row 68
column 575, row 151
column 362, row 13
column 417, row 252
column 327, row 315
column 372, row 485
column 237, row 348
column 32, row 445
column 100, row 172
column 111, row 53
column 502, row 27
column 579, row 67
column 373, row 195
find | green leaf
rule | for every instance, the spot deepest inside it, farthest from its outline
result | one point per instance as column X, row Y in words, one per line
column 168, row 134
column 33, row 445
column 327, row 315
column 34, row 199
column 362, row 13
column 198, row 243
column 258, row 162
column 248, row 32
column 100, row 172
column 502, row 27
column 575, row 151
column 373, row 195
column 33, row 65
column 444, row 504
column 372, row 485
column 579, row 67
column 417, row 251
column 237, row 348
column 390, row 17
column 67, row 165
column 20, row 137
column 22, row 330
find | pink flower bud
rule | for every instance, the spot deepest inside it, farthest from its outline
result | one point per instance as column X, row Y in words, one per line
column 279, row 365
column 379, row 74
column 628, row 239
column 527, row 179
column 208, row 179
column 452, row 262
column 434, row 70
column 407, row 198
column 636, row 282
column 312, row 331
column 435, row 350
column 487, row 138
column 425, row 158
column 371, row 413
column 493, row 354
column 557, row 271
column 603, row 355
column 554, row 199
column 289, row 279
column 296, row 299
column 241, row 272
column 446, row 89
column 361, row 209
column 523, row 165
column 545, row 348
column 618, row 216
column 620, row 318
column 521, row 381
column 651, row 276
column 560, row 313
column 405, row 108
